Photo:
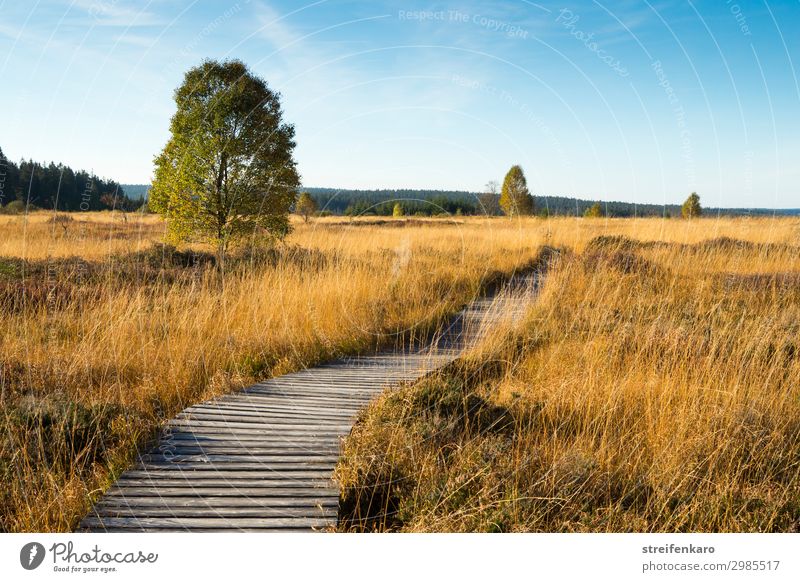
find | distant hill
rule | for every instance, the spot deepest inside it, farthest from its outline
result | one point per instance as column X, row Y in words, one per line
column 357, row 202
column 136, row 190
column 381, row 202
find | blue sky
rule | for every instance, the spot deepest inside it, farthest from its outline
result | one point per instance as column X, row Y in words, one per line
column 630, row 100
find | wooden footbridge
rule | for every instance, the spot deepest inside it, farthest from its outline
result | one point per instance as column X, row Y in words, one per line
column 262, row 459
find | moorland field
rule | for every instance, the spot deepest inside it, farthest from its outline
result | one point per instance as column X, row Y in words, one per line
column 653, row 385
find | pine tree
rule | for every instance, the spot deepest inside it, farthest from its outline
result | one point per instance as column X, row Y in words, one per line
column 515, row 199
column 691, row 208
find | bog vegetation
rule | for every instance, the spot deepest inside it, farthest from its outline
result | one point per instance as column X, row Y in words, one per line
column 107, row 331
column 652, row 387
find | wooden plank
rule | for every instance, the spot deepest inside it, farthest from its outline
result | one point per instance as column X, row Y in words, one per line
column 209, row 522
column 274, row 448
column 224, row 482
column 320, row 390
column 176, row 472
column 238, row 466
column 315, row 401
column 226, row 454
column 219, row 502
column 277, row 407
column 124, row 491
column 278, row 444
column 287, row 420
column 249, row 457
column 287, row 442
column 140, row 529
column 291, row 431
column 320, row 401
column 322, row 397
column 274, row 410
column 233, row 433
column 330, row 511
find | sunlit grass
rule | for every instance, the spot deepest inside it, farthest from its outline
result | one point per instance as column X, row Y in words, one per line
column 651, row 388
column 105, row 334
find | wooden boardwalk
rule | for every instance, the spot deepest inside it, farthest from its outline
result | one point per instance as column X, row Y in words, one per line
column 262, row 459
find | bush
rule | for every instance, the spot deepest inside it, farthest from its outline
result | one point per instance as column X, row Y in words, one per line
column 16, row 207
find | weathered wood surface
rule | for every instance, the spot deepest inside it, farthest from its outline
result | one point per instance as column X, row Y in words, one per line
column 262, row 459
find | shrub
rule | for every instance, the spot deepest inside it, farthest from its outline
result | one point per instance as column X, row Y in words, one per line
column 16, row 207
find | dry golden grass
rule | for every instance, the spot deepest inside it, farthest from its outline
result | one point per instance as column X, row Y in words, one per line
column 105, row 335
column 95, row 353
column 653, row 387
column 90, row 235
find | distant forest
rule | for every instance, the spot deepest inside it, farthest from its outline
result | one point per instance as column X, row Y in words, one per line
column 56, row 186
column 432, row 202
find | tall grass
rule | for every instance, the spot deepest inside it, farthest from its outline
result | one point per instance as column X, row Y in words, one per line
column 100, row 344
column 106, row 333
column 655, row 386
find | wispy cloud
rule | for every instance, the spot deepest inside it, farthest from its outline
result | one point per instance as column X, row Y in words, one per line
column 115, row 13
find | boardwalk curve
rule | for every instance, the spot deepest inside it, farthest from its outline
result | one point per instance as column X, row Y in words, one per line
column 262, row 459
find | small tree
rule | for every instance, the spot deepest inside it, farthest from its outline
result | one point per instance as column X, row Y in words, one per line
column 691, row 208
column 489, row 200
column 397, row 210
column 515, row 199
column 227, row 169
column 306, row 206
column 594, row 211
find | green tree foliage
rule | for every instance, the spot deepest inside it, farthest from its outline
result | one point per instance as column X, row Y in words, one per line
column 397, row 210
column 594, row 211
column 227, row 168
column 691, row 208
column 515, row 199
column 306, row 206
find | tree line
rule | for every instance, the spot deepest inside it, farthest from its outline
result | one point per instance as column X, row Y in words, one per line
column 348, row 202
column 382, row 202
column 52, row 186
